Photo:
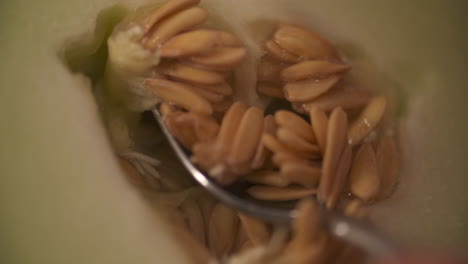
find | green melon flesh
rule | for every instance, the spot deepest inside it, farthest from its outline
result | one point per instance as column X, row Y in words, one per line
column 64, row 200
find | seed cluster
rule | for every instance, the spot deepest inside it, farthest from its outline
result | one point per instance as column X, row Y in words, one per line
column 323, row 147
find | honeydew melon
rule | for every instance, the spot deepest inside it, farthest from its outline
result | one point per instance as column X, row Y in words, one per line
column 64, row 200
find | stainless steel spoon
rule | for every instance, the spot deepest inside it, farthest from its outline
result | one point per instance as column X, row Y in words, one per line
column 348, row 229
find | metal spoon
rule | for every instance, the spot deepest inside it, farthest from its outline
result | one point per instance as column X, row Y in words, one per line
column 348, row 229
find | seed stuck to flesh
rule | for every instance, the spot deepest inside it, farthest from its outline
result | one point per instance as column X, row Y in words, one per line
column 190, row 74
column 194, row 219
column 196, row 250
column 224, row 225
column 131, row 172
column 173, row 25
column 256, row 230
column 180, row 95
column 368, row 119
column 304, row 43
column 281, row 54
column 364, row 179
column 169, row 8
column 194, row 42
column 312, row 69
column 222, row 58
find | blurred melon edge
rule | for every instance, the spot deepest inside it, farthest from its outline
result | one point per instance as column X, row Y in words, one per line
column 63, row 197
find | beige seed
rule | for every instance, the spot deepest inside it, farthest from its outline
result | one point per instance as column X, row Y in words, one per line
column 222, row 58
column 197, row 251
column 306, row 226
column 194, row 219
column 340, row 178
column 224, row 225
column 356, row 209
column 364, row 179
column 256, row 230
column 344, row 97
column 194, row 42
column 167, row 109
column 306, row 90
column 190, row 74
column 247, row 137
column 223, row 88
column 210, row 96
column 351, row 255
column 268, row 177
column 222, row 71
column 206, row 203
column 295, row 123
column 319, row 121
column 173, row 25
column 368, row 119
column 221, row 107
column 336, row 142
column 281, row 54
column 184, row 133
column 228, row 129
column 131, row 172
column 204, row 155
column 281, row 158
column 229, row 40
column 312, row 69
column 300, row 173
column 206, row 128
column 388, row 162
column 295, row 142
column 180, row 95
column 247, row 245
column 276, row 146
column 269, row 70
column 309, row 243
column 262, row 153
column 241, row 239
column 304, row 43
column 280, row 193
column 164, row 11
column 270, row 90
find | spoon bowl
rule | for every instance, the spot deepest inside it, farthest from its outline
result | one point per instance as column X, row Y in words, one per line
column 353, row 231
